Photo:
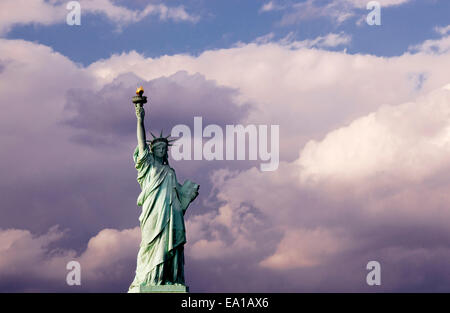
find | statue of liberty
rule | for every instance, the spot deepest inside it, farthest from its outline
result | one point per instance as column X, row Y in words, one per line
column 160, row 260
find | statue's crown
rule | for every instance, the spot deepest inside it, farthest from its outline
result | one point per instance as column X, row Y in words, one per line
column 161, row 138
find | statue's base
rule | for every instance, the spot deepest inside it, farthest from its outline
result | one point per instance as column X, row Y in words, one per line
column 164, row 289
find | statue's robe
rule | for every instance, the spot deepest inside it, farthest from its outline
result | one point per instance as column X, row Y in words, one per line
column 160, row 259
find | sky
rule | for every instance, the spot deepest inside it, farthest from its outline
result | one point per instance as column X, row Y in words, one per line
column 364, row 141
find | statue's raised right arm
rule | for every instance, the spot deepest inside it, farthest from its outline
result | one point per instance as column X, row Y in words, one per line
column 140, row 114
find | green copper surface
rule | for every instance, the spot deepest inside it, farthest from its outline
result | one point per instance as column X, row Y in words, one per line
column 160, row 260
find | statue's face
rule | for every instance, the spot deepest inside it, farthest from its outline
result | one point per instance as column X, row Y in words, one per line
column 160, row 151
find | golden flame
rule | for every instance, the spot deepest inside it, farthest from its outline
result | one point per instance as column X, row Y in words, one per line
column 140, row 90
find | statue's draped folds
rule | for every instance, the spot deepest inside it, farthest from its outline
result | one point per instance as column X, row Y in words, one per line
column 164, row 201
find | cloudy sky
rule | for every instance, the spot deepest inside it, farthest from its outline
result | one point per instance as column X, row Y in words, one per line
column 364, row 118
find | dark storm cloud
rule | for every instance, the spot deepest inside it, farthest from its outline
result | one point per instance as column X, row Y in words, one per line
column 106, row 121
column 411, row 249
column 89, row 184
column 108, row 114
column 337, row 219
column 247, row 231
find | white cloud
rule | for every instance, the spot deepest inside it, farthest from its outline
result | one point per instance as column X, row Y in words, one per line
column 109, row 254
column 271, row 6
column 337, row 10
column 14, row 12
column 327, row 41
column 444, row 30
column 25, row 256
column 411, row 141
column 209, row 243
column 265, row 38
column 317, row 88
column 305, row 248
column 22, row 12
column 383, row 3
column 123, row 15
column 386, row 169
column 433, row 46
column 330, row 40
column 29, row 259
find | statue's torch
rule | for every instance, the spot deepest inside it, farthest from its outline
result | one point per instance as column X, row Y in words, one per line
column 139, row 99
